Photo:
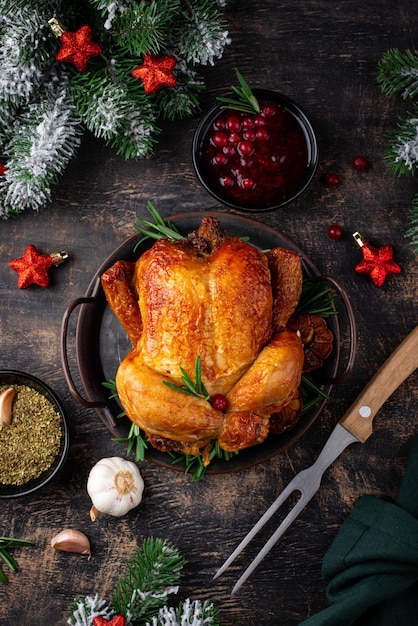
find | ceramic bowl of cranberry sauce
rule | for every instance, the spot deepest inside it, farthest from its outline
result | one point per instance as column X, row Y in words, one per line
column 256, row 161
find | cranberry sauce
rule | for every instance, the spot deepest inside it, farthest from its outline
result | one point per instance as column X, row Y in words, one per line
column 254, row 159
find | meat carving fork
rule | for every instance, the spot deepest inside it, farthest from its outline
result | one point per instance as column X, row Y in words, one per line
column 354, row 426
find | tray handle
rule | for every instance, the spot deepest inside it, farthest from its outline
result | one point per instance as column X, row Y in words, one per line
column 338, row 378
column 64, row 354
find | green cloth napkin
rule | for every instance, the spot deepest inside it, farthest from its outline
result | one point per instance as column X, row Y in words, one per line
column 371, row 568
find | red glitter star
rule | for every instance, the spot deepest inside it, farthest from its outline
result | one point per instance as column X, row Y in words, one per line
column 3, row 169
column 378, row 263
column 119, row 620
column 156, row 72
column 78, row 48
column 32, row 268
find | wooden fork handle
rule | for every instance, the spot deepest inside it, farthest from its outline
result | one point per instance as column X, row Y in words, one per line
column 358, row 420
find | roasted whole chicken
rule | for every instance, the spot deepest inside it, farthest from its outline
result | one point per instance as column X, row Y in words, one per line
column 215, row 297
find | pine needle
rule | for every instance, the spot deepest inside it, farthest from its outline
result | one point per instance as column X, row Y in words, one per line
column 398, row 73
column 153, row 574
column 412, row 232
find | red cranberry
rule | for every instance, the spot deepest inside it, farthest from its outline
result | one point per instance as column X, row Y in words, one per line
column 245, row 148
column 233, row 123
column 234, row 137
column 262, row 134
column 331, row 179
column 269, row 110
column 249, row 134
column 247, row 183
column 219, row 139
column 220, row 159
column 226, row 181
column 219, row 124
column 335, row 231
column 248, row 122
column 229, row 150
column 360, row 162
column 259, row 120
column 219, row 402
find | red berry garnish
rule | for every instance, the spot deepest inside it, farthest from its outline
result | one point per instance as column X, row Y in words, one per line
column 245, row 148
column 360, row 162
column 331, row 179
column 233, row 123
column 219, row 402
column 335, row 231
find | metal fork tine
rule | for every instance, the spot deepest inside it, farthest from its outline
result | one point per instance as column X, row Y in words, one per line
column 307, row 482
column 290, row 517
column 291, row 487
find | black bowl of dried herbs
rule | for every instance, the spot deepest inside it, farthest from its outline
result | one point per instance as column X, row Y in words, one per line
column 34, row 434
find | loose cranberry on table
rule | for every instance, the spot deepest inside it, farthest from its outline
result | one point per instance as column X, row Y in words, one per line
column 331, row 179
column 335, row 231
column 360, row 162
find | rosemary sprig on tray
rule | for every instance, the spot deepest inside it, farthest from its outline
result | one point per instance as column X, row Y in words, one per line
column 156, row 229
column 135, row 439
column 246, row 102
column 191, row 388
column 195, row 462
column 6, row 543
column 316, row 299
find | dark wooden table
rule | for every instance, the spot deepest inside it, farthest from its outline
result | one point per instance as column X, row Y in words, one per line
column 323, row 55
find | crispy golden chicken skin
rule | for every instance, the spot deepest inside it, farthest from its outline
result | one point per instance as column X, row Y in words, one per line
column 219, row 298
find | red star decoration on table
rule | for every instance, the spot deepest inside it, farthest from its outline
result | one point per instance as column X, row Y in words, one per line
column 32, row 268
column 3, row 169
column 78, row 48
column 156, row 72
column 378, row 263
column 119, row 620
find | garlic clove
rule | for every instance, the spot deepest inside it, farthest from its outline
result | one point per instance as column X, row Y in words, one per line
column 70, row 540
column 6, row 405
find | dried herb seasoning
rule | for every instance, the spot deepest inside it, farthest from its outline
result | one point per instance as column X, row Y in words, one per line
column 30, row 444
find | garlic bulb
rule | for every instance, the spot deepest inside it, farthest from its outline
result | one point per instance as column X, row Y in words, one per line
column 70, row 540
column 115, row 487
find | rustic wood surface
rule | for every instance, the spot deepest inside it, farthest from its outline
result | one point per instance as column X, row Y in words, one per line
column 323, row 55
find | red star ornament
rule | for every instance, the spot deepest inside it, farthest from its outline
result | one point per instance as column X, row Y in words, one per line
column 156, row 72
column 119, row 620
column 78, row 48
column 377, row 262
column 32, row 268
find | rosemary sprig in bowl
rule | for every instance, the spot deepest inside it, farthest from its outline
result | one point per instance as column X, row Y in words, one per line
column 246, row 102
